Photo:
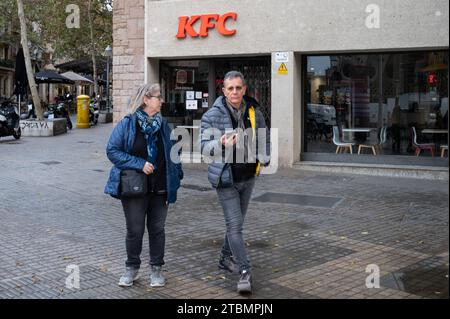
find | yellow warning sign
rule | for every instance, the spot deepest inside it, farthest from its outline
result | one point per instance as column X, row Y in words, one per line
column 282, row 69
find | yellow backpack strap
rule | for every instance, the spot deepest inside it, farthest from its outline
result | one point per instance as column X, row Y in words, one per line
column 251, row 113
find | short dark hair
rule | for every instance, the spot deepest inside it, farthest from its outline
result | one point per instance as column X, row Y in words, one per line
column 234, row 74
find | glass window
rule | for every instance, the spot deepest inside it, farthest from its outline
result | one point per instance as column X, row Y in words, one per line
column 376, row 100
column 181, row 82
column 205, row 79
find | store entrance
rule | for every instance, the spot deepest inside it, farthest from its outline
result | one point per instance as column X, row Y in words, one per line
column 190, row 87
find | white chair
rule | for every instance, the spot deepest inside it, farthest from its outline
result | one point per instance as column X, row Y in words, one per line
column 444, row 148
column 341, row 146
column 421, row 146
column 376, row 146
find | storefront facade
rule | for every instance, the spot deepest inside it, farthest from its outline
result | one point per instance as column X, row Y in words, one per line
column 370, row 72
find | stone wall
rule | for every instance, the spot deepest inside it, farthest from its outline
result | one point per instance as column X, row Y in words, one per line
column 128, row 52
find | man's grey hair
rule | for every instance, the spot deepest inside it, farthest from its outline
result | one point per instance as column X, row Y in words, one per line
column 234, row 74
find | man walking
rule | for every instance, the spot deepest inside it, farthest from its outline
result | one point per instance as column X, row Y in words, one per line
column 234, row 167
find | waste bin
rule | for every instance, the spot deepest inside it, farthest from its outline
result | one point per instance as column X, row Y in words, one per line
column 83, row 102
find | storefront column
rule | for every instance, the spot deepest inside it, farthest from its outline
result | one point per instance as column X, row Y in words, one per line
column 152, row 71
column 286, row 105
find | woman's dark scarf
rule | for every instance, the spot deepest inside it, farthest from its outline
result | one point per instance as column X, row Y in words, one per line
column 150, row 126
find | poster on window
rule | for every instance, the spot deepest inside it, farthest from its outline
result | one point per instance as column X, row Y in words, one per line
column 190, row 95
column 191, row 104
column 198, row 95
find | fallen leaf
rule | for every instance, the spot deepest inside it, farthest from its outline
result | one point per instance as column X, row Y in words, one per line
column 103, row 268
column 207, row 278
column 67, row 258
column 222, row 277
column 343, row 237
column 247, row 244
column 276, row 245
column 19, row 263
column 265, row 232
column 275, row 270
column 317, row 282
column 365, row 233
column 421, row 242
column 306, row 235
column 35, row 279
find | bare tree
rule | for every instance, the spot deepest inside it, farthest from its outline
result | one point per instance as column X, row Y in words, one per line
column 93, row 49
column 26, row 53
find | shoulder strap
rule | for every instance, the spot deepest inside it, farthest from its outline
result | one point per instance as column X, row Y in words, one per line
column 252, row 116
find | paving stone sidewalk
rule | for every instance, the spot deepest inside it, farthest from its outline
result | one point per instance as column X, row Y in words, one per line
column 54, row 214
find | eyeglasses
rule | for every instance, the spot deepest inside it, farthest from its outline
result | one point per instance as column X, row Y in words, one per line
column 159, row 97
column 232, row 88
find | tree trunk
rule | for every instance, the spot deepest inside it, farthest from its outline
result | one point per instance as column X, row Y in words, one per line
column 94, row 62
column 26, row 53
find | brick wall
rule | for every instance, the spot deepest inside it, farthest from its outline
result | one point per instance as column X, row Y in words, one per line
column 128, row 50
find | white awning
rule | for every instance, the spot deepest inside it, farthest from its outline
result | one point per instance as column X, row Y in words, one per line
column 76, row 77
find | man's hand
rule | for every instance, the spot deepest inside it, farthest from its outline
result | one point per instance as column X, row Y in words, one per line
column 228, row 140
column 148, row 168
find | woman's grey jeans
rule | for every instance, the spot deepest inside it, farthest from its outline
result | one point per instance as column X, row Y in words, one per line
column 137, row 210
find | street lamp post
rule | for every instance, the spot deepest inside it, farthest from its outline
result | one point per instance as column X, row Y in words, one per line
column 107, row 54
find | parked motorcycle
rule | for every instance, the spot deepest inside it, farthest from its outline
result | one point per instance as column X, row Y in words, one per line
column 30, row 113
column 93, row 113
column 58, row 111
column 9, row 120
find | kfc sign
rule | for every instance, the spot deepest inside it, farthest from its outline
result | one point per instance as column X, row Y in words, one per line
column 207, row 21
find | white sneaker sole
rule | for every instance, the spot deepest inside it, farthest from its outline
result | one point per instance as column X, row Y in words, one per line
column 157, row 285
column 122, row 284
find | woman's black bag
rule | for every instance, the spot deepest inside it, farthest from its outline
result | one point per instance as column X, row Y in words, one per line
column 132, row 183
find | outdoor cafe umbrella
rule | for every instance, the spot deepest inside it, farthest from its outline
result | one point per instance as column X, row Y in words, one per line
column 49, row 76
column 20, row 76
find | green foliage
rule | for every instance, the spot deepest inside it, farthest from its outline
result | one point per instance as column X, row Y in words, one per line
column 50, row 17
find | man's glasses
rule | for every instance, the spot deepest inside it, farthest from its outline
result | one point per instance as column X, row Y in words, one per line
column 232, row 88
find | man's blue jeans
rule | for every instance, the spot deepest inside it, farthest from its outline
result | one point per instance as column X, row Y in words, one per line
column 234, row 201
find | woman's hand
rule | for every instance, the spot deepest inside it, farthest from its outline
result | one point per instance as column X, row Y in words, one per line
column 148, row 168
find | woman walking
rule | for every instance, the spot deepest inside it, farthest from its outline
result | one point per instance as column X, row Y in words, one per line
column 145, row 179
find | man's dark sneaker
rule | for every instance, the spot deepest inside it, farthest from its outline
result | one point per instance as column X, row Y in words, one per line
column 245, row 282
column 130, row 275
column 227, row 263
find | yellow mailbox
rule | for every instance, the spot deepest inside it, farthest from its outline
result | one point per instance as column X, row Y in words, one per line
column 83, row 102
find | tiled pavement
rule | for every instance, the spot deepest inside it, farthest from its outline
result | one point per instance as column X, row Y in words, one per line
column 55, row 214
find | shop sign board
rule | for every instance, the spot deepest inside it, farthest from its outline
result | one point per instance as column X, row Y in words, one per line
column 207, row 21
